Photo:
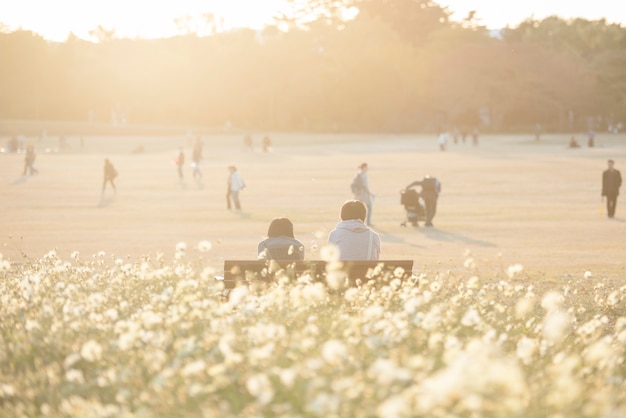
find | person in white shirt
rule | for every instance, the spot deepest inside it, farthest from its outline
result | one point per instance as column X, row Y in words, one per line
column 354, row 239
column 361, row 191
column 235, row 185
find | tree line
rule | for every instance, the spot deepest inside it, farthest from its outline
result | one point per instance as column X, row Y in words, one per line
column 395, row 66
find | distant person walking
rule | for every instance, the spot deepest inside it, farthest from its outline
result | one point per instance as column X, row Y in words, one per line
column 196, row 156
column 29, row 161
column 443, row 140
column 267, row 144
column 475, row 135
column 431, row 187
column 109, row 175
column 247, row 143
column 235, row 185
column 180, row 161
column 354, row 239
column 361, row 191
column 591, row 141
column 537, row 131
column 280, row 243
column 611, row 182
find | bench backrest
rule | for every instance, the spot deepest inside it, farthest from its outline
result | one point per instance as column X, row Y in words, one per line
column 356, row 271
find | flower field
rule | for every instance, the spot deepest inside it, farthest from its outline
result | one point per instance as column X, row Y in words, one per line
column 99, row 336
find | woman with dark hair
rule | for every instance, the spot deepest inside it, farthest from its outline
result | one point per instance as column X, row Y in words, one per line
column 280, row 243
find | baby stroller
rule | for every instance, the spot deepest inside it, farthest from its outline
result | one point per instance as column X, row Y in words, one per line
column 414, row 207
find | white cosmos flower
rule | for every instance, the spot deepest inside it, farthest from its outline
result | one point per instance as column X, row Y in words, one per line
column 237, row 295
column 335, row 279
column 126, row 340
column 334, row 352
column 4, row 264
column 514, row 270
column 32, row 324
column 111, row 314
column 524, row 307
column 471, row 318
column 313, row 293
column 613, row 298
column 260, row 386
column 7, row 390
column 552, row 301
column 473, row 282
column 288, row 377
column 74, row 376
column 526, row 348
column 329, row 253
column 205, row 246
column 600, row 354
column 393, row 407
column 91, row 351
column 555, row 325
column 620, row 324
column 194, row 368
column 351, row 294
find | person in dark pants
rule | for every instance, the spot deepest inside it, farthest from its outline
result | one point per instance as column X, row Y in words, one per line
column 29, row 161
column 431, row 187
column 109, row 175
column 611, row 182
column 180, row 161
column 235, row 184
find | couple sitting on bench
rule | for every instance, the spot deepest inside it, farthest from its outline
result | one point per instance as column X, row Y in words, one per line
column 354, row 239
column 358, row 258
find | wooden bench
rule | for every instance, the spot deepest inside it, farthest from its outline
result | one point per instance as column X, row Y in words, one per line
column 382, row 271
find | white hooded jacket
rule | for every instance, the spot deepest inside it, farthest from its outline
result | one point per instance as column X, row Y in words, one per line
column 355, row 241
column 236, row 182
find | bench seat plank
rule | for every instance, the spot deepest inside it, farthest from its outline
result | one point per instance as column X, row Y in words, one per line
column 356, row 271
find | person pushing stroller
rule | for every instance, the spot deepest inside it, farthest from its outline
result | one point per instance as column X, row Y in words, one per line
column 414, row 207
column 431, row 188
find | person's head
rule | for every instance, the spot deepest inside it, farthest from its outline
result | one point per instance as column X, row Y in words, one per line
column 232, row 168
column 363, row 167
column 353, row 209
column 280, row 227
column 611, row 163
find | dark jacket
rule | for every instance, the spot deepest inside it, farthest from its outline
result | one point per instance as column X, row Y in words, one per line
column 281, row 248
column 611, row 182
column 109, row 171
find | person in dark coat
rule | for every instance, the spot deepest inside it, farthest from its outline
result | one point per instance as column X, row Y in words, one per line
column 29, row 161
column 280, row 243
column 611, row 182
column 431, row 187
column 109, row 175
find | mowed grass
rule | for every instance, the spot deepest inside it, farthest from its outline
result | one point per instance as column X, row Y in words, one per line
column 516, row 307
column 508, row 200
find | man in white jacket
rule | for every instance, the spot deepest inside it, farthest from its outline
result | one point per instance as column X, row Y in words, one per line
column 355, row 240
column 361, row 190
column 235, row 184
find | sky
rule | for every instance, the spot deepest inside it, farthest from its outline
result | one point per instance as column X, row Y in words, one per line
column 55, row 19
